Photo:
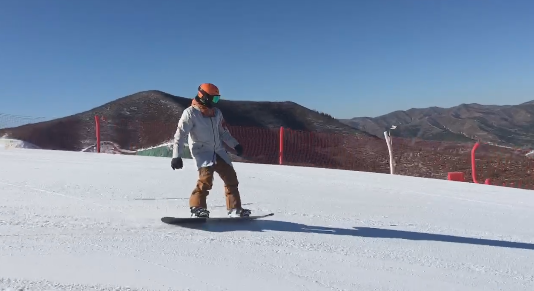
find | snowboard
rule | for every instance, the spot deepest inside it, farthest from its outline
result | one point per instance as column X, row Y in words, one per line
column 188, row 220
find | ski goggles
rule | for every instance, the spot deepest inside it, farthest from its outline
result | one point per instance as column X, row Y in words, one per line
column 213, row 98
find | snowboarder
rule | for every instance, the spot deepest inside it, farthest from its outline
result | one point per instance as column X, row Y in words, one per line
column 203, row 124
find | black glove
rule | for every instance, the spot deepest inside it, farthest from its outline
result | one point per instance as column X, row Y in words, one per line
column 238, row 149
column 177, row 163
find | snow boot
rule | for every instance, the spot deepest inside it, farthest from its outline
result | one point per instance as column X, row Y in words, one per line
column 239, row 212
column 200, row 212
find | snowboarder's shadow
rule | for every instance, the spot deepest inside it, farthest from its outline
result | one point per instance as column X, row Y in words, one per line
column 367, row 232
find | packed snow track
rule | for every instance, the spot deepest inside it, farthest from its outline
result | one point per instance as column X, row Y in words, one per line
column 86, row 221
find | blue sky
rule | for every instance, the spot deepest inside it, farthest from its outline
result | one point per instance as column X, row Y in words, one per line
column 344, row 57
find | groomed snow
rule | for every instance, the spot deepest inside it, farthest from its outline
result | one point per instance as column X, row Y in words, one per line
column 86, row 221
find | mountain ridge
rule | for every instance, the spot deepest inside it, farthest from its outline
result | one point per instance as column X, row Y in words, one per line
column 509, row 125
column 148, row 118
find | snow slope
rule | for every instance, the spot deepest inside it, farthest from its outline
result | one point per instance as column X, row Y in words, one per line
column 8, row 143
column 85, row 221
column 108, row 147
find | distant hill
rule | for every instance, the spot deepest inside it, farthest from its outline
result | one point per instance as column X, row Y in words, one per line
column 148, row 118
column 511, row 125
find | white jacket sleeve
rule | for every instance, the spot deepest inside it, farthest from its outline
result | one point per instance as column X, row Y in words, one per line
column 225, row 134
column 182, row 132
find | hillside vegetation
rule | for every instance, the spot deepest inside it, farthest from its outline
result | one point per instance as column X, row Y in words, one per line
column 148, row 118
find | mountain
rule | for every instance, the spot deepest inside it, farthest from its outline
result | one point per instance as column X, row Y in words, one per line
column 509, row 125
column 149, row 118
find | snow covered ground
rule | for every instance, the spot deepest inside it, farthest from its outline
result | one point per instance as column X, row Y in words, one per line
column 86, row 221
column 8, row 143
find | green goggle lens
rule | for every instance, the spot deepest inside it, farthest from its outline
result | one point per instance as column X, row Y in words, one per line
column 216, row 98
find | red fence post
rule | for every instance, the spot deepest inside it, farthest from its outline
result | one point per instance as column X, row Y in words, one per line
column 473, row 162
column 281, row 150
column 97, row 127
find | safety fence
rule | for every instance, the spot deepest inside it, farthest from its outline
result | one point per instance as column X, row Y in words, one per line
column 285, row 146
column 470, row 162
column 503, row 166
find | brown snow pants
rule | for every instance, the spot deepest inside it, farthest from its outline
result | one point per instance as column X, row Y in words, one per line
column 205, row 183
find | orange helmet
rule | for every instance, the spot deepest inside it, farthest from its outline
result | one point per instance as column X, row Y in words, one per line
column 208, row 93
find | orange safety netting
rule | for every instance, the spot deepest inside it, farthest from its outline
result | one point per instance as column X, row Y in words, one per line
column 412, row 157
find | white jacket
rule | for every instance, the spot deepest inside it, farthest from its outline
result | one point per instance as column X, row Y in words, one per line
column 205, row 136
